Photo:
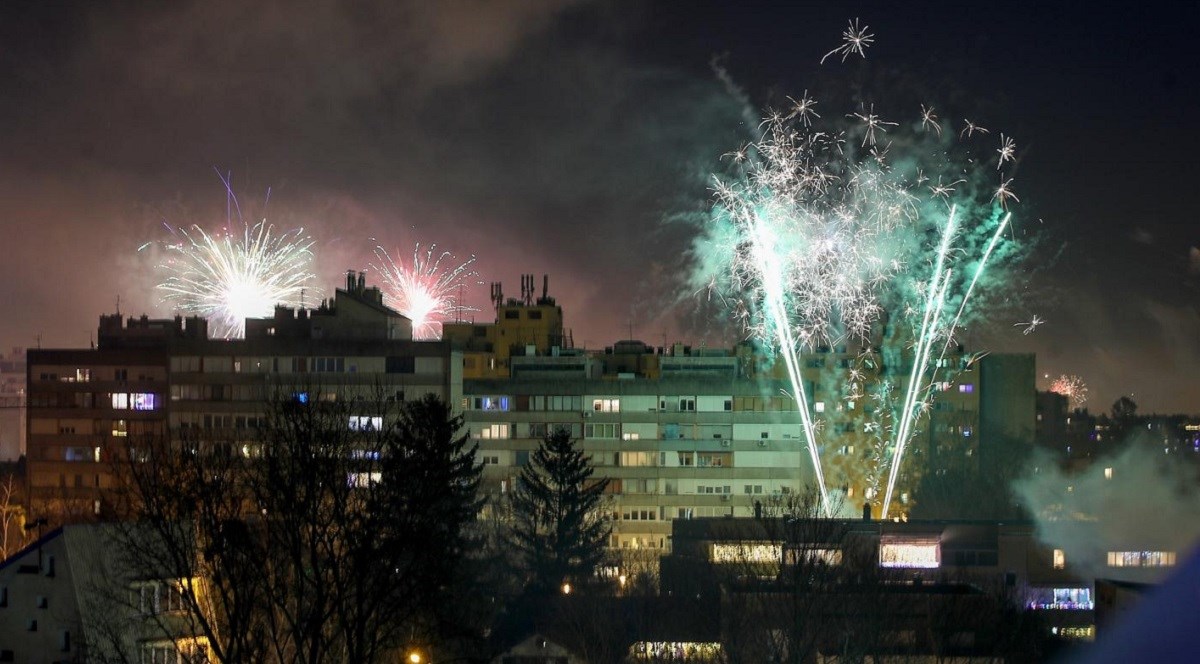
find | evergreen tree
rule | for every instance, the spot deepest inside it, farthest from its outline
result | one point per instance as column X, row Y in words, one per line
column 559, row 531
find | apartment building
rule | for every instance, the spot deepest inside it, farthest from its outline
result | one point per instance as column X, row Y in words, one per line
column 684, row 432
column 12, row 405
column 148, row 377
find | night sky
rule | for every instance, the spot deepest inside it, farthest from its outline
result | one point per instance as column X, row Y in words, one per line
column 571, row 138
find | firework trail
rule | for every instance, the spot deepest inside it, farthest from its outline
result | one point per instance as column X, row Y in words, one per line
column 243, row 271
column 423, row 290
column 1071, row 387
column 818, row 240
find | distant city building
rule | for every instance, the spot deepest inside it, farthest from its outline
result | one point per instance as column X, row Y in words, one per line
column 12, row 405
column 148, row 377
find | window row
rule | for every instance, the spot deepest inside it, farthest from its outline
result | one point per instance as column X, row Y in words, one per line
column 1141, row 558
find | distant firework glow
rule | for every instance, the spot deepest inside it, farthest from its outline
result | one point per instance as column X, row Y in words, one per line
column 234, row 275
column 861, row 230
column 429, row 290
column 1071, row 387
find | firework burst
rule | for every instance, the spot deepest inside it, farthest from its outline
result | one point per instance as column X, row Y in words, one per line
column 1072, row 387
column 428, row 290
column 234, row 275
column 818, row 240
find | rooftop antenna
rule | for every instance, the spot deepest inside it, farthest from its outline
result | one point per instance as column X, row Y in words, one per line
column 497, row 294
column 527, row 289
column 118, row 304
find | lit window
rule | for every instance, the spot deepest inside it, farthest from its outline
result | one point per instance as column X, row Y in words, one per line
column 80, row 376
column 966, row 388
column 630, row 436
column 1141, row 558
column 819, row 406
column 363, row 480
column 822, row 556
column 1108, row 473
column 120, row 401
column 1060, row 559
column 1085, row 633
column 120, row 428
column 637, row 458
column 1064, row 599
column 606, row 405
column 911, row 554
column 746, row 553
column 491, row 403
column 494, row 431
column 366, row 423
column 143, row 400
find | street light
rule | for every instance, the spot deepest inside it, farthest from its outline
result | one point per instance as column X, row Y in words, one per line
column 566, row 588
column 414, row 657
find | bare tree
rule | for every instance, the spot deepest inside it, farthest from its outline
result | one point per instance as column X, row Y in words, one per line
column 776, row 579
column 325, row 535
column 13, row 535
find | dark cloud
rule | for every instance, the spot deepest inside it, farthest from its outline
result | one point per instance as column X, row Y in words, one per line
column 550, row 136
column 515, row 131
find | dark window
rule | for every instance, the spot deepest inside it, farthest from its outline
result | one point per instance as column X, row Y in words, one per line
column 535, row 315
column 401, row 365
column 512, row 314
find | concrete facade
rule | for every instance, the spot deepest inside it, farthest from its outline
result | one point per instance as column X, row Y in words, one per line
column 146, row 377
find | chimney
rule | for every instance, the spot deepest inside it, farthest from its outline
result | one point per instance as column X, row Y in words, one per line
column 866, row 511
column 349, row 281
column 362, row 281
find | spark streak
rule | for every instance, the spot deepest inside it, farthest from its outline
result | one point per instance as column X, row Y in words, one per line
column 815, row 242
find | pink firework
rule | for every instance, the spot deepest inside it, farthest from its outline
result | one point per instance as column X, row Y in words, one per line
column 424, row 290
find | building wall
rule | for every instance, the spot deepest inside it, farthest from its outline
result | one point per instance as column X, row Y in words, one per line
column 162, row 377
column 83, row 407
column 39, row 614
column 1007, row 408
column 12, row 405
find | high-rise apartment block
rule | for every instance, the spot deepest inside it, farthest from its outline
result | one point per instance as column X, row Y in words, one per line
column 150, row 377
column 680, row 432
